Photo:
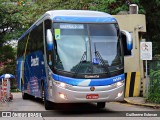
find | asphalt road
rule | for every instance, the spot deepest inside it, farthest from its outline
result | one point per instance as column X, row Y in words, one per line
column 35, row 107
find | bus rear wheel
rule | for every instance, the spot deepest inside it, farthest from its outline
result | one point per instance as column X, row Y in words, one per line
column 24, row 95
column 101, row 105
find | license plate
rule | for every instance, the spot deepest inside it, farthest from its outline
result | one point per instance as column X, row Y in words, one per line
column 92, row 96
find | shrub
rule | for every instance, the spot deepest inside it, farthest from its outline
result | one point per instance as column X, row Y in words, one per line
column 154, row 88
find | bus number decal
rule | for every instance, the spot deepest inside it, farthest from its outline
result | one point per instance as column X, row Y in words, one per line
column 117, row 79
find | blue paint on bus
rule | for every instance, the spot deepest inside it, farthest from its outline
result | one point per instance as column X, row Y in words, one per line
column 92, row 82
column 84, row 19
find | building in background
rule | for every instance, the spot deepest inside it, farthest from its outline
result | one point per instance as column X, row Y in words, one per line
column 135, row 77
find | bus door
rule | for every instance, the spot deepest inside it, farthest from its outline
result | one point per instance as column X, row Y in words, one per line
column 48, row 55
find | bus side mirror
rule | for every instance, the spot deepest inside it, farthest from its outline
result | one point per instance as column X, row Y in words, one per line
column 129, row 41
column 49, row 40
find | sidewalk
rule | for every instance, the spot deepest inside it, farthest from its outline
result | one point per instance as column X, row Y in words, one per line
column 141, row 101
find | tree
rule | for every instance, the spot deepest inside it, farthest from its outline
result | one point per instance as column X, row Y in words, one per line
column 10, row 28
column 153, row 23
column 7, row 55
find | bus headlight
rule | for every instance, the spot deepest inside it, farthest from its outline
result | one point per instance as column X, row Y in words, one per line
column 120, row 83
column 62, row 84
column 62, row 96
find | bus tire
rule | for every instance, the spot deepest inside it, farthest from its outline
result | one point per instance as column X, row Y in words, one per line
column 24, row 95
column 101, row 105
column 47, row 104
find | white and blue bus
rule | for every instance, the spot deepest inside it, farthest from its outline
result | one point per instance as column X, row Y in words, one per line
column 73, row 56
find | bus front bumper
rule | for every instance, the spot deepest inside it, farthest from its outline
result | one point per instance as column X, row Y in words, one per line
column 79, row 94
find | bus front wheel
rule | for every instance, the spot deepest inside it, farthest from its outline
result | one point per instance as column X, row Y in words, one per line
column 47, row 104
column 101, row 104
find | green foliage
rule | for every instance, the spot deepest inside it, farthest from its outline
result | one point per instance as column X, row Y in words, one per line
column 154, row 98
column 153, row 22
column 154, row 86
column 6, row 52
column 10, row 22
column 7, row 56
column 15, row 90
column 13, row 23
column 111, row 6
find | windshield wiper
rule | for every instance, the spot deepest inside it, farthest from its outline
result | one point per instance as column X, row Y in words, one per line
column 98, row 55
column 80, row 63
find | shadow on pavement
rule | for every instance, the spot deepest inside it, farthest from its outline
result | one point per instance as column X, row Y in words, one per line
column 75, row 109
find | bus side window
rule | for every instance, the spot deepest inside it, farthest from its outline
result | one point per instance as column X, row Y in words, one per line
column 35, row 39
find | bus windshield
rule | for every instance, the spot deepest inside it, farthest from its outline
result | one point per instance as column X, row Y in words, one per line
column 87, row 48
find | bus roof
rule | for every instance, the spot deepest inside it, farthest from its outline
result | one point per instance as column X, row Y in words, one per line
column 80, row 16
column 77, row 13
column 70, row 15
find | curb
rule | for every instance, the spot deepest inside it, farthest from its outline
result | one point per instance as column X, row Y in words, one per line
column 142, row 104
